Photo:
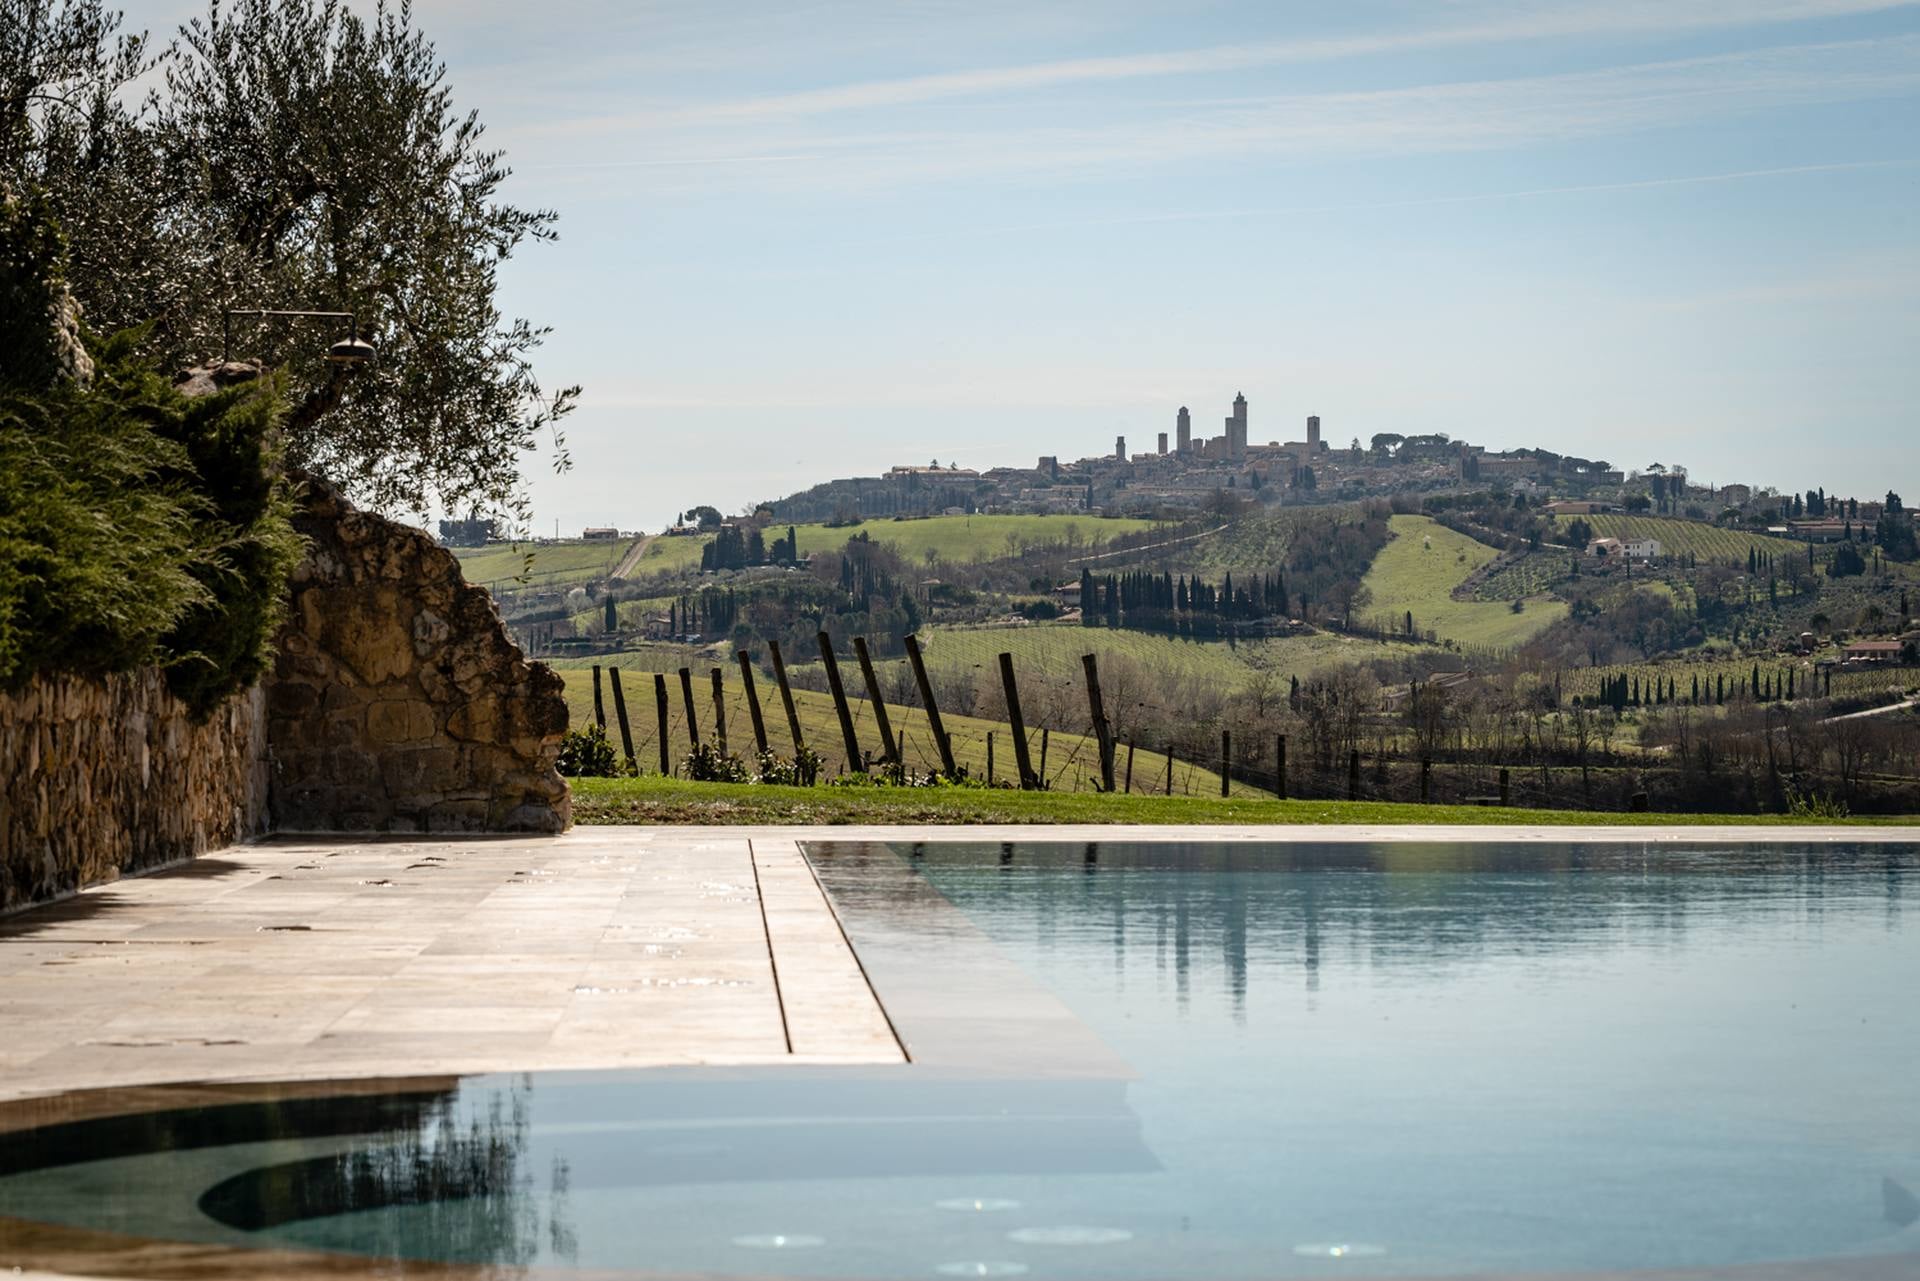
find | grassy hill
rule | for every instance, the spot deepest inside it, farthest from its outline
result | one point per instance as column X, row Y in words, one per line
column 554, row 564
column 1419, row 568
column 966, row 538
column 1071, row 758
column 1048, row 655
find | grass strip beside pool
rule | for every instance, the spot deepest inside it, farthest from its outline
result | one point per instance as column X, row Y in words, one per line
column 665, row 800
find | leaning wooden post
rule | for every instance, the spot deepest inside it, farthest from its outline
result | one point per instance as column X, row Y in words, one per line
column 620, row 714
column 1226, row 761
column 1102, row 731
column 720, row 710
column 686, row 696
column 887, row 742
column 1016, row 722
column 1280, row 767
column 1506, row 786
column 989, row 757
column 839, row 691
column 660, row 706
column 1353, row 776
column 1169, row 769
column 786, row 696
column 940, row 739
column 1129, row 787
column 599, row 707
column 753, row 703
column 1426, row 779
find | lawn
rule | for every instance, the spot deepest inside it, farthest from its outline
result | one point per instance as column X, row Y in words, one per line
column 665, row 800
column 1416, row 573
column 1071, row 759
column 554, row 564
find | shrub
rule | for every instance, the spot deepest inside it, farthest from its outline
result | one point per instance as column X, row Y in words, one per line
column 801, row 770
column 586, row 753
column 707, row 764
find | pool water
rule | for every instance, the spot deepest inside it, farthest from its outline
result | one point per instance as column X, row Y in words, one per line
column 1156, row 1060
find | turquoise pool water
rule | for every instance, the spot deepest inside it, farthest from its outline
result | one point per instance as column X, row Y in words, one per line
column 1154, row 1060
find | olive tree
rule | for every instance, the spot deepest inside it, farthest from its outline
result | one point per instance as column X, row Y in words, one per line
column 291, row 154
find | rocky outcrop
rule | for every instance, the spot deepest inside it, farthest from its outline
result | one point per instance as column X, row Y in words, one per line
column 101, row 777
column 398, row 703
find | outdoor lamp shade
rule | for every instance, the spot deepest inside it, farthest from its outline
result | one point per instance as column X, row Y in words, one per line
column 350, row 351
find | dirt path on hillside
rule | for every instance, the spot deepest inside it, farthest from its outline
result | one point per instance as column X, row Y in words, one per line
column 632, row 558
column 1150, row 547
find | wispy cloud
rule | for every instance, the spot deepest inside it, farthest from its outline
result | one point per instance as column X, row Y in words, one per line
column 1433, row 118
column 1624, row 18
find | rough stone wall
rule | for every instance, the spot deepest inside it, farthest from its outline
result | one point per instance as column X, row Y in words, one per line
column 101, row 777
column 398, row 702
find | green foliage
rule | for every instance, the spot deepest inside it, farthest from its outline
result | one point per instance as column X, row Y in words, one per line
column 707, row 764
column 1847, row 562
column 1816, row 807
column 802, row 769
column 136, row 526
column 586, row 753
column 31, row 250
column 294, row 153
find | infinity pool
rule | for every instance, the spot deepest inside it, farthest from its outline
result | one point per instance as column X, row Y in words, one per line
column 1160, row 1060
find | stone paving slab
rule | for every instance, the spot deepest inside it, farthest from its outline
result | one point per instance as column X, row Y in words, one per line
column 319, row 958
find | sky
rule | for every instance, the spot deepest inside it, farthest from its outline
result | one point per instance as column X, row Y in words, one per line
column 819, row 238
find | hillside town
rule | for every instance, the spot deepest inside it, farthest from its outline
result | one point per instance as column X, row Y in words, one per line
column 1186, row 471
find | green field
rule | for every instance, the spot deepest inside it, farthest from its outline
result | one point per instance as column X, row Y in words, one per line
column 1417, row 571
column 1071, row 759
column 1048, row 655
column 655, row 800
column 1691, row 537
column 1585, row 681
column 554, row 563
column 966, row 538
column 670, row 554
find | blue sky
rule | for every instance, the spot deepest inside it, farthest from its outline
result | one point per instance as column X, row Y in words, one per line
column 812, row 239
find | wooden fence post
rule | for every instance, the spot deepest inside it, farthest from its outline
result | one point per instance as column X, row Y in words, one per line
column 1280, row 767
column 989, row 757
column 1045, row 734
column 1016, row 722
column 660, row 707
column 599, row 707
column 940, row 739
column 1426, row 780
column 753, row 703
column 1226, row 761
column 686, row 696
column 1102, row 731
column 854, row 760
column 620, row 714
column 1506, row 792
column 786, row 696
column 1129, row 787
column 720, row 710
column 1169, row 769
column 885, row 726
column 1353, row 776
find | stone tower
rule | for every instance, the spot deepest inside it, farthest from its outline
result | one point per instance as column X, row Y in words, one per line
column 1163, row 442
column 1313, row 431
column 1120, row 448
column 1183, row 432
column 1237, row 429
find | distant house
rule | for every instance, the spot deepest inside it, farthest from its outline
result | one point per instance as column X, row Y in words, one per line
column 1820, row 531
column 1736, row 495
column 1873, row 651
column 1067, row 594
column 1641, row 549
column 598, row 533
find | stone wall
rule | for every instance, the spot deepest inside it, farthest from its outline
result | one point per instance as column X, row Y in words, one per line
column 398, row 702
column 99, row 778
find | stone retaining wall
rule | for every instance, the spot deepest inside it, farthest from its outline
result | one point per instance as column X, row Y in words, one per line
column 101, row 777
column 398, row 702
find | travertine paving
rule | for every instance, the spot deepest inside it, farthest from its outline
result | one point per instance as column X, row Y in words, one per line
column 329, row 958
